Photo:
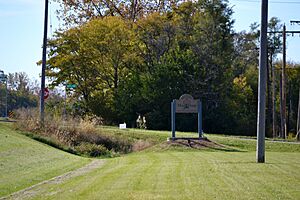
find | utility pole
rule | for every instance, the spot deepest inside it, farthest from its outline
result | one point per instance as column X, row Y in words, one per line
column 6, row 96
column 269, row 100
column 273, row 101
column 284, row 82
column 298, row 116
column 281, row 106
column 42, row 102
column 283, row 90
column 282, row 86
column 298, row 119
column 261, row 114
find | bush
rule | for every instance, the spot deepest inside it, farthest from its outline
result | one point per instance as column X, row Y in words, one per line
column 27, row 119
column 92, row 150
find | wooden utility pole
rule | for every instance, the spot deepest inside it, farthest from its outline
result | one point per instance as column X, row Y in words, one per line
column 269, row 102
column 42, row 103
column 261, row 114
column 283, row 90
column 281, row 105
column 298, row 119
column 298, row 116
column 282, row 86
column 273, row 101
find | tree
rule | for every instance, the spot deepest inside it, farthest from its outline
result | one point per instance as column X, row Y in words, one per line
column 245, row 51
column 96, row 56
column 21, row 93
column 79, row 11
column 179, row 59
column 129, row 59
column 293, row 84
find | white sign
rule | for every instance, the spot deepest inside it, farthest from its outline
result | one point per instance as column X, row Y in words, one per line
column 186, row 104
column 122, row 126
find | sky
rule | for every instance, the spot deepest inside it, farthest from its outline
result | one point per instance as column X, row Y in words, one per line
column 21, row 35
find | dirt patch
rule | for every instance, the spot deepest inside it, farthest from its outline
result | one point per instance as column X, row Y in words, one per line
column 194, row 143
column 30, row 192
column 141, row 145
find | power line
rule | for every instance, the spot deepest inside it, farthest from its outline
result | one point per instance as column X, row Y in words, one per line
column 276, row 2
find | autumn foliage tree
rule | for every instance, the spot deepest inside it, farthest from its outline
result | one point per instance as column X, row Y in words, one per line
column 131, row 58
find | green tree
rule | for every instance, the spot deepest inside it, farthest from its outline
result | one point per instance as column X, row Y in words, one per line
column 96, row 56
column 79, row 12
column 180, row 60
column 20, row 92
column 293, row 86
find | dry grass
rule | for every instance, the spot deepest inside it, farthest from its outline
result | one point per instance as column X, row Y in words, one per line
column 141, row 145
column 79, row 135
column 189, row 144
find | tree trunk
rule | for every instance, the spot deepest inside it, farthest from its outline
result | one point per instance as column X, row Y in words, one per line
column 116, row 77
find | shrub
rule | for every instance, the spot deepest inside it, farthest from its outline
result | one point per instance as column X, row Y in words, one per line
column 93, row 150
column 87, row 127
column 80, row 135
column 27, row 119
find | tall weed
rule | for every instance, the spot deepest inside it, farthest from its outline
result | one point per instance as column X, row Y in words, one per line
column 78, row 134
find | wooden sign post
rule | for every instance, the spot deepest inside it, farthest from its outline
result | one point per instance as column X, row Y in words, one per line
column 186, row 104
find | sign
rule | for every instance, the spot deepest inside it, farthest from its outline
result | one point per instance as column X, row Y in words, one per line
column 46, row 93
column 11, row 114
column 122, row 126
column 71, row 86
column 186, row 104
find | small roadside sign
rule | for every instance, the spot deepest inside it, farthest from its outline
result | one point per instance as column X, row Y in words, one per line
column 46, row 93
column 71, row 86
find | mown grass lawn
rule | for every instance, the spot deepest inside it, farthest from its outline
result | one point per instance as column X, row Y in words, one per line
column 25, row 162
column 186, row 175
column 181, row 173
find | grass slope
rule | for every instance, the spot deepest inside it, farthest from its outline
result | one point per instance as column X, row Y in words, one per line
column 25, row 162
column 180, row 173
column 238, row 143
column 186, row 175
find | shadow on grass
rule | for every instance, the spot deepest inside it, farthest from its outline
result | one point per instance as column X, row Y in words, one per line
column 253, row 162
column 194, row 145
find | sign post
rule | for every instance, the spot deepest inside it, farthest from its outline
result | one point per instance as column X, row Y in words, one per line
column 200, row 118
column 173, row 110
column 67, row 86
column 186, row 104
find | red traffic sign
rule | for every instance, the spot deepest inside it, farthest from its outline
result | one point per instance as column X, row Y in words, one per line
column 46, row 93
